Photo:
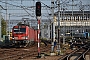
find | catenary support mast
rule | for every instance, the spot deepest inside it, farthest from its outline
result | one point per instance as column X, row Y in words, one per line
column 52, row 26
column 58, row 44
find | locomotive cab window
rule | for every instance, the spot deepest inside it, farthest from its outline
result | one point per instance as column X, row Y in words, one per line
column 16, row 30
column 22, row 29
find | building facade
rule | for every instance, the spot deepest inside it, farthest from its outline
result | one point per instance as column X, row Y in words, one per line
column 76, row 21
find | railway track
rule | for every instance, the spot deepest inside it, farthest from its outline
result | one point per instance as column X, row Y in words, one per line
column 78, row 54
column 20, row 53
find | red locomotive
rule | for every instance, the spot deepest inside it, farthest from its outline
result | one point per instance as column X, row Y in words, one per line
column 23, row 35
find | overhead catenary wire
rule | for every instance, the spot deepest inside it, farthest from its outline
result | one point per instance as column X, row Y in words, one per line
column 17, row 6
column 20, row 6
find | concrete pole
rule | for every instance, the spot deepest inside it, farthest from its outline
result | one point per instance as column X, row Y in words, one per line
column 63, row 28
column 6, row 17
column 52, row 26
column 0, row 23
column 82, row 21
column 9, row 26
column 72, row 19
column 58, row 45
column 48, row 31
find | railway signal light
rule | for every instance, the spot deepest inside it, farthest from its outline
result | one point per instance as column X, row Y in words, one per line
column 38, row 8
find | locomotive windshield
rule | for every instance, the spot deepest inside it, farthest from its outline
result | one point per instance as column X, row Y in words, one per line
column 19, row 30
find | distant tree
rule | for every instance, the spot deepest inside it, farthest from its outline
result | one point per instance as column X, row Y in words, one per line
column 3, row 27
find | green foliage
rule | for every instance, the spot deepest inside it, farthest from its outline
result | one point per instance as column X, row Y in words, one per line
column 3, row 27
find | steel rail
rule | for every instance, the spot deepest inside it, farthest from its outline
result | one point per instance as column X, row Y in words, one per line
column 82, row 55
column 67, row 57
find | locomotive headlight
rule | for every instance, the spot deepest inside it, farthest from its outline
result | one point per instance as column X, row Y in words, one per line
column 13, row 38
column 26, row 37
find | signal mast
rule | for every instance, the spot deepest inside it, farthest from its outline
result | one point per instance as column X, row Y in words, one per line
column 38, row 16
